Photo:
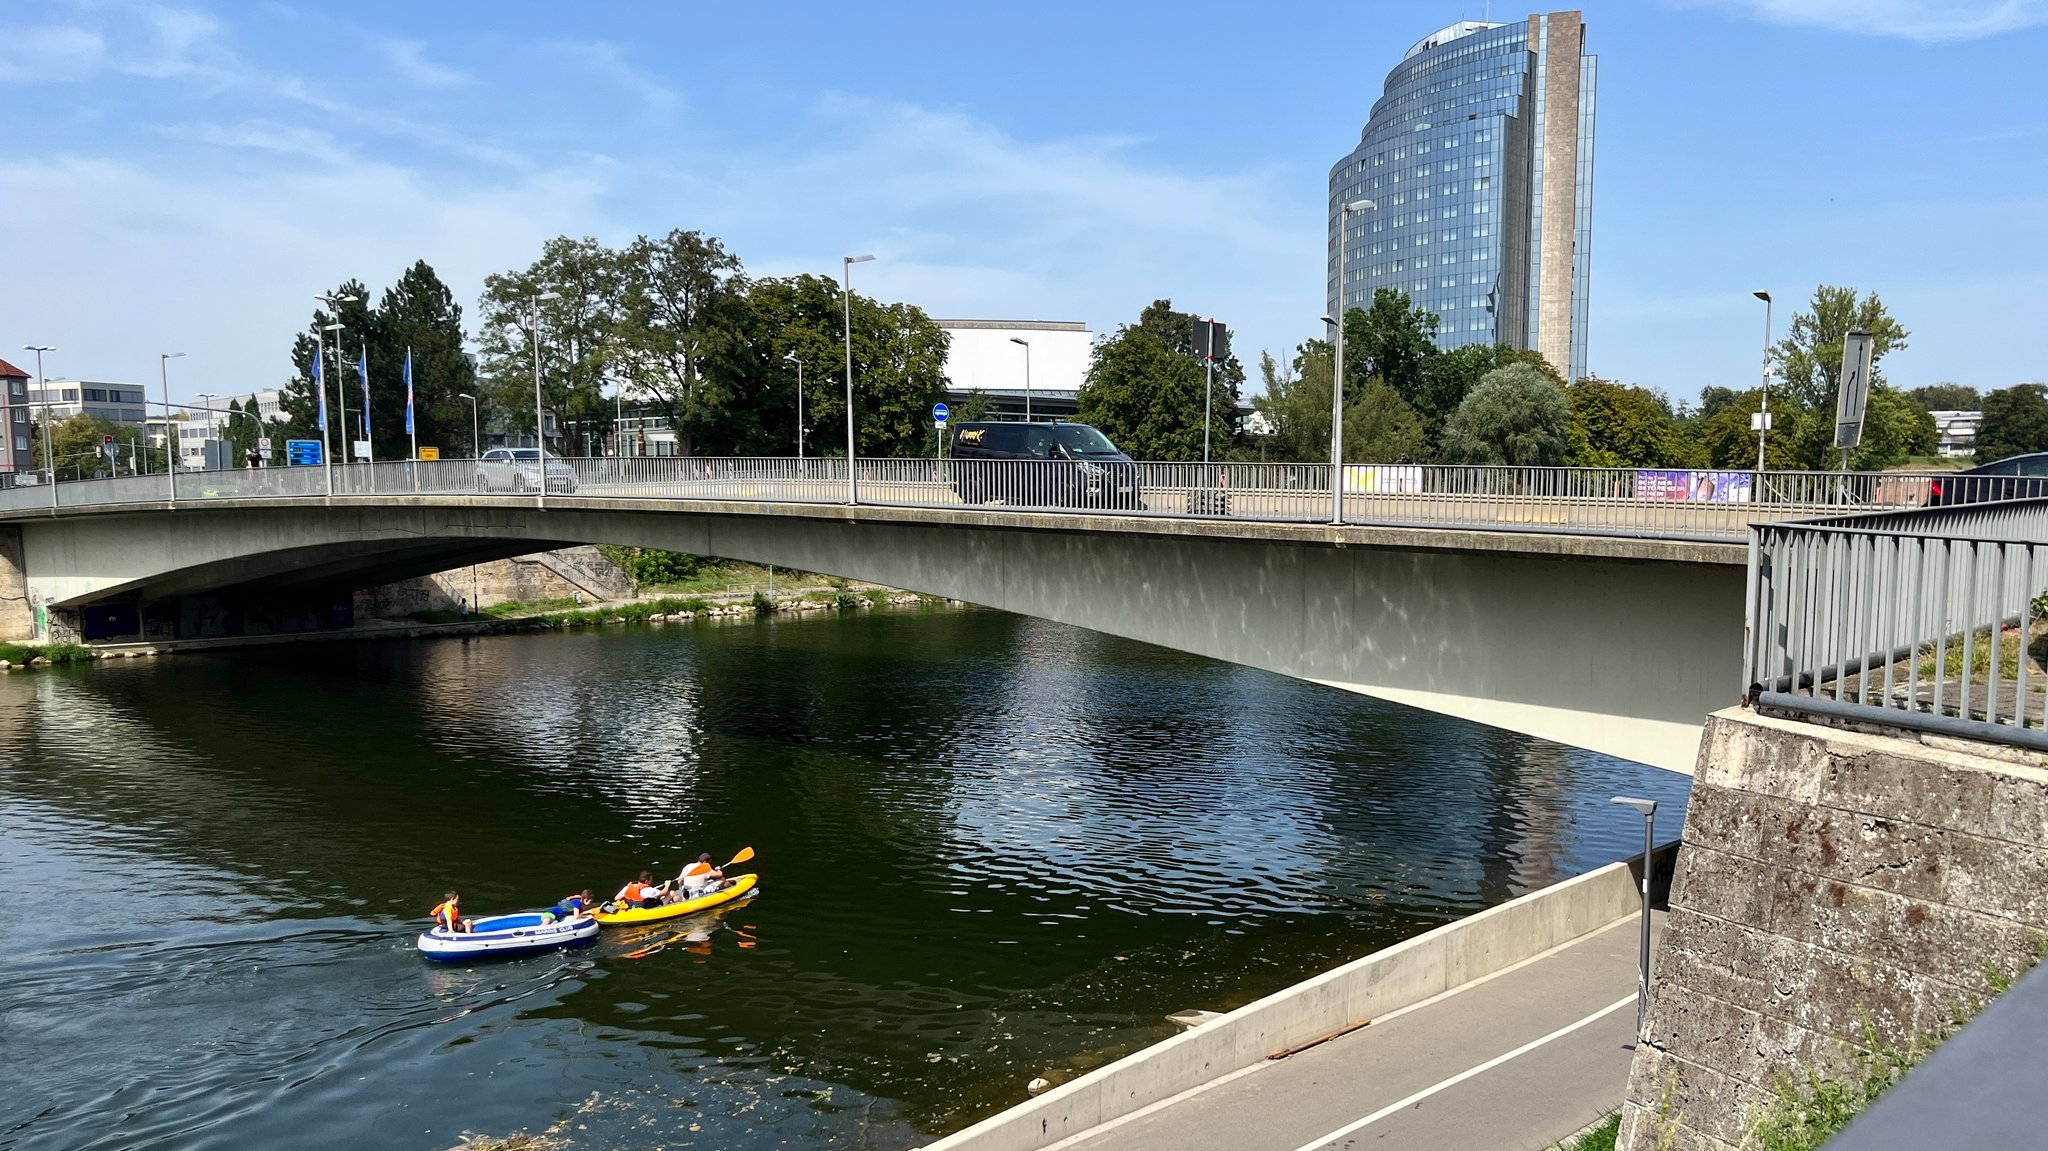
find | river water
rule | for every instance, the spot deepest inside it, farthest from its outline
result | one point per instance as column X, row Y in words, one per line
column 990, row 848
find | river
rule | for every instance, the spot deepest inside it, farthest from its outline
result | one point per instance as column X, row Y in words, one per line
column 990, row 848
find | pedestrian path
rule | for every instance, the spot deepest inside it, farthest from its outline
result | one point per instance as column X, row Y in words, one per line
column 1513, row 1062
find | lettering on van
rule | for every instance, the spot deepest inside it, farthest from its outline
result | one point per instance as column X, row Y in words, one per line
column 971, row 436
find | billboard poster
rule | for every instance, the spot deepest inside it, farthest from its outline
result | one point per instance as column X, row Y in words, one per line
column 1697, row 486
column 1383, row 479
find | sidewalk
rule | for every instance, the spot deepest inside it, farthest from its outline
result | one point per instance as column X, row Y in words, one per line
column 1513, row 1062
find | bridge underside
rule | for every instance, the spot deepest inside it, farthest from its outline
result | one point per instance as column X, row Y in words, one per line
column 1620, row 646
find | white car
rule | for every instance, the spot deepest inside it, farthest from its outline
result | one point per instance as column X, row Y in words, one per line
column 518, row 470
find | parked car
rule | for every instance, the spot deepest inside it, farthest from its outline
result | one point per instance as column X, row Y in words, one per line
column 518, row 470
column 2012, row 478
column 1042, row 465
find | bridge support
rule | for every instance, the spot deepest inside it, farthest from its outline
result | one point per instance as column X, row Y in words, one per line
column 17, row 615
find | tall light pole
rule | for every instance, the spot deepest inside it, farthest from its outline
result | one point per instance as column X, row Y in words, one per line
column 791, row 358
column 476, row 439
column 1648, row 809
column 42, row 385
column 1026, row 345
column 1337, row 363
column 1763, row 406
column 846, row 264
column 540, row 438
column 333, row 303
column 171, row 450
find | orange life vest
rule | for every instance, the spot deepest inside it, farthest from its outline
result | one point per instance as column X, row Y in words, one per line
column 446, row 914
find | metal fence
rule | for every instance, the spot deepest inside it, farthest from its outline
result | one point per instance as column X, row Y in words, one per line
column 1929, row 619
column 1650, row 503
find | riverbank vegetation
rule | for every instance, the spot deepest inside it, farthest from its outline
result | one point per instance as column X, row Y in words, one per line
column 56, row 654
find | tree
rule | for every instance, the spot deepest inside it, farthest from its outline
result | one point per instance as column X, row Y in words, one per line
column 1894, row 430
column 977, row 406
column 1516, row 415
column 300, row 395
column 1448, row 377
column 2015, row 422
column 1144, row 389
column 1297, row 403
column 419, row 314
column 79, row 444
column 1946, row 397
column 1617, row 426
column 1810, row 355
column 680, row 307
column 1392, row 340
column 575, row 330
column 1380, row 428
column 1729, row 442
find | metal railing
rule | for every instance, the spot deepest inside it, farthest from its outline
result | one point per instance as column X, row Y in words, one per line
column 1928, row 619
column 1707, row 505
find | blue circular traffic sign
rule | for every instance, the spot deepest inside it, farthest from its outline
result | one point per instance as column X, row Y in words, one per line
column 940, row 412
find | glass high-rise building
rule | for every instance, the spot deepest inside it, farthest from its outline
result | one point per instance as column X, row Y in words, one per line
column 1479, row 159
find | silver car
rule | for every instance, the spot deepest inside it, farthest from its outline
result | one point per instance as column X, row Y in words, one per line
column 518, row 470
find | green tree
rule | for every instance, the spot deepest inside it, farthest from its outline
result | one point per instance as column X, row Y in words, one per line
column 1392, row 340
column 419, row 314
column 1617, row 426
column 1448, row 377
column 240, row 431
column 682, row 303
column 2015, row 422
column 1144, row 389
column 1894, row 430
column 1946, row 397
column 1810, row 356
column 300, row 395
column 575, row 328
column 1381, row 428
column 1516, row 415
column 1297, row 403
column 977, row 406
column 1728, row 441
column 79, row 445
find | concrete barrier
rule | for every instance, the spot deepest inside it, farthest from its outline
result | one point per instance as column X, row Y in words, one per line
column 1406, row 973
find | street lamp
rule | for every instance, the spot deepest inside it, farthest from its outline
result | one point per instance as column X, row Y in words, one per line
column 791, row 358
column 1337, row 363
column 1763, row 406
column 846, row 264
column 171, row 452
column 49, row 461
column 334, row 303
column 476, row 439
column 539, row 425
column 1026, row 345
column 1648, row 809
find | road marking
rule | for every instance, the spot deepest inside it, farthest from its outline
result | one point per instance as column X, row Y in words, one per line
column 1460, row 1077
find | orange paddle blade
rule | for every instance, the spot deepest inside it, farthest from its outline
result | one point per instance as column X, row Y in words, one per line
column 745, row 854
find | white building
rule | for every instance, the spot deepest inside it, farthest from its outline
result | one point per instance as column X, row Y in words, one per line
column 63, row 399
column 1956, row 432
column 986, row 356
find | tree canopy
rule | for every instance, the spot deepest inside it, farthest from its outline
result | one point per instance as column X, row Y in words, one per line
column 1617, row 426
column 417, row 312
column 1517, row 415
column 2015, row 422
column 1144, row 389
column 1810, row 356
column 1946, row 397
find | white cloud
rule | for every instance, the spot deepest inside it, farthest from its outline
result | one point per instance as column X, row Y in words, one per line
column 1925, row 20
column 408, row 59
column 55, row 53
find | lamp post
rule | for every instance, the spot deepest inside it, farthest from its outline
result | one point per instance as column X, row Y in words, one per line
column 1763, row 406
column 846, row 264
column 49, row 461
column 1026, row 345
column 333, row 303
column 540, row 438
column 791, row 358
column 1337, row 363
column 476, row 439
column 171, row 450
column 1648, row 808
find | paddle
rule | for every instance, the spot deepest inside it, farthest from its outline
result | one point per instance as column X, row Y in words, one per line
column 745, row 854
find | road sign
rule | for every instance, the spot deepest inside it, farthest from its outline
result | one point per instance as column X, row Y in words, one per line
column 302, row 453
column 263, row 443
column 362, row 449
column 430, row 453
column 1854, row 390
column 940, row 413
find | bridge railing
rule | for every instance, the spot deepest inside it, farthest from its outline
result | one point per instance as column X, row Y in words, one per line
column 1930, row 619
column 1701, row 504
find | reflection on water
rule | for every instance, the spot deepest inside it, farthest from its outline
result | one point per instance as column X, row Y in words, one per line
column 990, row 848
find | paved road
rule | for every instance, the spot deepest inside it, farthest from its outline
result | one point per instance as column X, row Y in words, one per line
column 1510, row 1063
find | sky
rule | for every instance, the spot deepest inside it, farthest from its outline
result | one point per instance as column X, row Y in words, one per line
column 185, row 178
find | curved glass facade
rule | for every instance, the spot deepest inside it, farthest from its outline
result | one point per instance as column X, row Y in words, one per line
column 1459, row 157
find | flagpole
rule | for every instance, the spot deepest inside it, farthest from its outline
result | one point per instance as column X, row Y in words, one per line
column 363, row 373
column 411, row 429
column 320, row 387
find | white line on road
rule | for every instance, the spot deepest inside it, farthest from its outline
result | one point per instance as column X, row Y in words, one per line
column 1460, row 1077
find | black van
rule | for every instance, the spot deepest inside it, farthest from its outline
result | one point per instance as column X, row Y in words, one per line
column 1042, row 465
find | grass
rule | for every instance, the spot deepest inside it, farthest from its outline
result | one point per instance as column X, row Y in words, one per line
column 1600, row 1138
column 725, row 575
column 53, row 654
column 1951, row 658
column 1802, row 1116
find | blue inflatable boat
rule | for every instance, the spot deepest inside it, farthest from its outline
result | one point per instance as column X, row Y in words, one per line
column 501, row 936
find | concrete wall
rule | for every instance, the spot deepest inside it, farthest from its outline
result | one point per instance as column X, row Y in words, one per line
column 1829, row 876
column 1619, row 645
column 522, row 579
column 17, row 621
column 1401, row 975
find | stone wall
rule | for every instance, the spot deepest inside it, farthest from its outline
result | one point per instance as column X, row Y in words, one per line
column 562, row 574
column 17, row 619
column 1829, row 877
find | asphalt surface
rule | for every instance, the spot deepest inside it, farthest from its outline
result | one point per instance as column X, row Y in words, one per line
column 1514, row 1062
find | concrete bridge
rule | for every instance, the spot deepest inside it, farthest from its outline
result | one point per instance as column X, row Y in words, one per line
column 1592, row 619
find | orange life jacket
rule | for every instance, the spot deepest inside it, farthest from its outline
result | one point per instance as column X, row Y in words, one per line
column 447, row 915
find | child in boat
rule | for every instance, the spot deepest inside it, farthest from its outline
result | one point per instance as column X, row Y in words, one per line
column 641, row 892
column 571, row 906
column 448, row 915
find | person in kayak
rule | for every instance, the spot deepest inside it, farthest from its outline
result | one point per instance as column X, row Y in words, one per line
column 641, row 892
column 447, row 915
column 701, row 878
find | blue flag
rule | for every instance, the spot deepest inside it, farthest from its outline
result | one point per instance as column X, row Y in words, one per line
column 363, row 370
column 320, row 387
column 408, row 392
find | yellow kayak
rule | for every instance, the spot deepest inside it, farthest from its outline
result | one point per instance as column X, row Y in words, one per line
column 741, row 884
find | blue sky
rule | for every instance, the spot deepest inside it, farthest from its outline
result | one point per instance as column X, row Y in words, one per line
column 185, row 177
